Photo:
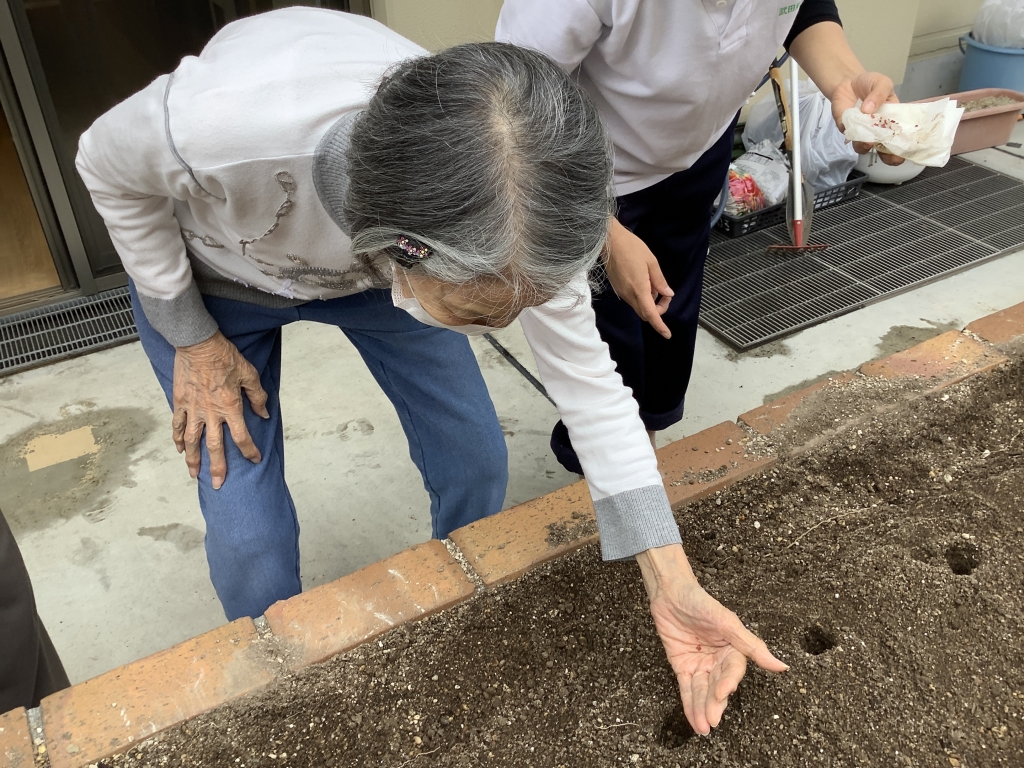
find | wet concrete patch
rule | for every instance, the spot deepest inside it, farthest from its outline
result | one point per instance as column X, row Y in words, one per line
column 184, row 537
column 771, row 349
column 490, row 359
column 799, row 385
column 896, row 339
column 79, row 485
column 901, row 337
column 355, row 427
column 89, row 554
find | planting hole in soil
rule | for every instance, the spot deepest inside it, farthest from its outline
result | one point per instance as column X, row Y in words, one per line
column 817, row 640
column 854, row 576
column 675, row 730
column 962, row 558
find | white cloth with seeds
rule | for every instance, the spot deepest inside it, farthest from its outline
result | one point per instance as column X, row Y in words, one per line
column 922, row 133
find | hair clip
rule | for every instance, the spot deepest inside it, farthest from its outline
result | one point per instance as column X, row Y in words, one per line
column 414, row 251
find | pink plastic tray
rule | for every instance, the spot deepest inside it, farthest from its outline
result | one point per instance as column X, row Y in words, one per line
column 985, row 127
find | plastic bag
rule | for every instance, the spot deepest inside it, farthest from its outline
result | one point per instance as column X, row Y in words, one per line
column 826, row 158
column 920, row 132
column 744, row 194
column 757, row 179
column 1000, row 23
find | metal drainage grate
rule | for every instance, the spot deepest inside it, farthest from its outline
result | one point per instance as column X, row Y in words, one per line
column 64, row 330
column 888, row 240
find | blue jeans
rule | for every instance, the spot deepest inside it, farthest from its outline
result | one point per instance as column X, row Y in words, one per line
column 429, row 374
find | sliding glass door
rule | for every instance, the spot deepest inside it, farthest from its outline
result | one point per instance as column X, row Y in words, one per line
column 26, row 263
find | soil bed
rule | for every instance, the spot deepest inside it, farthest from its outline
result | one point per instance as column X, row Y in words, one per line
column 884, row 565
column 987, row 103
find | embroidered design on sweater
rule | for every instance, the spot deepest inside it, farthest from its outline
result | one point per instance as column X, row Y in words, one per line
column 355, row 277
column 206, row 240
column 321, row 277
column 287, row 183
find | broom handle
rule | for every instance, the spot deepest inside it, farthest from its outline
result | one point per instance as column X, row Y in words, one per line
column 798, row 179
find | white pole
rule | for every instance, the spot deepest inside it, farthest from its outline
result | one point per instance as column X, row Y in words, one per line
column 794, row 111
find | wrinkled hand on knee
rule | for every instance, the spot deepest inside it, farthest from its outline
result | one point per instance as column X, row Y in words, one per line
column 209, row 380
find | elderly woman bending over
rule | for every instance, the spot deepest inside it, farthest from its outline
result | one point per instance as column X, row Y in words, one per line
column 267, row 181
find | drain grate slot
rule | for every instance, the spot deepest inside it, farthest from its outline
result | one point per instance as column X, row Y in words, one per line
column 66, row 329
column 888, row 240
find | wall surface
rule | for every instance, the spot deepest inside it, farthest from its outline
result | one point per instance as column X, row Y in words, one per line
column 940, row 23
column 437, row 24
column 884, row 33
column 880, row 32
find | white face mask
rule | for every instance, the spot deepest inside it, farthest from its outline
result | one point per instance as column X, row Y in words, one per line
column 412, row 305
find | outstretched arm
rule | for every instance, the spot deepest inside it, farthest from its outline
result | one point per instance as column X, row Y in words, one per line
column 706, row 643
column 825, row 55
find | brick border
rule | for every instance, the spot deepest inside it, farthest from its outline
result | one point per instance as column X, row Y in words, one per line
column 771, row 416
column 107, row 714
column 16, row 740
column 336, row 617
column 945, row 359
column 1000, row 327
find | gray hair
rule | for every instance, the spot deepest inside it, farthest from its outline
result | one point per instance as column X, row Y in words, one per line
column 489, row 155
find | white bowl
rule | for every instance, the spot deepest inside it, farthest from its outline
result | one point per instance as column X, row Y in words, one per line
column 880, row 173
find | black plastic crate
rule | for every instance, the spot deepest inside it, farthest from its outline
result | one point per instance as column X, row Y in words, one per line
column 737, row 226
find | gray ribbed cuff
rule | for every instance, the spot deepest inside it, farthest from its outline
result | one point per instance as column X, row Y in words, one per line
column 635, row 520
column 183, row 320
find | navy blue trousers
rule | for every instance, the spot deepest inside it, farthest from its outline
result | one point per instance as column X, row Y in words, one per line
column 673, row 217
column 30, row 668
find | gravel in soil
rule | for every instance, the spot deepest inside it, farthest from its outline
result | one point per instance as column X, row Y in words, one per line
column 884, row 565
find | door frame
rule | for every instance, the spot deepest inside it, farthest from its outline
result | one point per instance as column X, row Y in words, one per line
column 24, row 110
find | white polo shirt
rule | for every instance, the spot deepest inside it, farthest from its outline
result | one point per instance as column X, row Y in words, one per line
column 667, row 75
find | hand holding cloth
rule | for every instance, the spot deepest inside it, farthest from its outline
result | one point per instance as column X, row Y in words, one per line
column 921, row 133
